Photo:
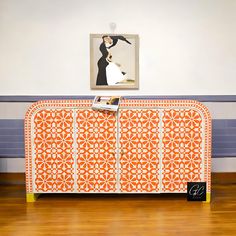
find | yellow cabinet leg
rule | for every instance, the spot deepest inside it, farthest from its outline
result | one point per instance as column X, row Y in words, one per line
column 208, row 198
column 31, row 197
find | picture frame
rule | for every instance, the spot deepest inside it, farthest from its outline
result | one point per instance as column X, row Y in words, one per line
column 114, row 61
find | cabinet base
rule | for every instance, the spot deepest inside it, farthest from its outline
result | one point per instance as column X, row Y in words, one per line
column 31, row 197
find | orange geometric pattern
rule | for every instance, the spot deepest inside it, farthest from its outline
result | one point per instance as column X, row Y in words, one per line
column 53, row 145
column 96, row 151
column 182, row 145
column 139, row 142
column 70, row 148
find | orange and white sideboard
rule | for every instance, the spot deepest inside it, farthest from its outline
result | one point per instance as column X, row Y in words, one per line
column 148, row 146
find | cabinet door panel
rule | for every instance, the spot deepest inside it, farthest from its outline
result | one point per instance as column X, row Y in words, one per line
column 139, row 148
column 96, row 145
column 182, row 147
column 53, row 151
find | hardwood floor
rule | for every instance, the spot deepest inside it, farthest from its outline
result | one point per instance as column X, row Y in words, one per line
column 80, row 214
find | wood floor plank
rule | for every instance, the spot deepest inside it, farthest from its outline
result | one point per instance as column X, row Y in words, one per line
column 108, row 215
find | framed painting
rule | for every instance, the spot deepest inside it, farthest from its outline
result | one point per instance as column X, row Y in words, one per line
column 114, row 61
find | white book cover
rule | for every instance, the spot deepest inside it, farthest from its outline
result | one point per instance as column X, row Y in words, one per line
column 108, row 103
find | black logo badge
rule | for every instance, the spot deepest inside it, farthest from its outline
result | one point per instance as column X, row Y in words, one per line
column 196, row 191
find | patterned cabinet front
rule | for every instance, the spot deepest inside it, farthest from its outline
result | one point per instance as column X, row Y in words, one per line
column 96, row 151
column 182, row 148
column 139, row 150
column 148, row 146
column 52, row 144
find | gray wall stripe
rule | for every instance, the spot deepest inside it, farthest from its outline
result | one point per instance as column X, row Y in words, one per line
column 201, row 98
column 11, row 123
column 12, row 138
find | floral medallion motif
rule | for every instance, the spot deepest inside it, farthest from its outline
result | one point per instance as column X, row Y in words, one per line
column 53, row 142
column 182, row 147
column 96, row 146
column 139, row 142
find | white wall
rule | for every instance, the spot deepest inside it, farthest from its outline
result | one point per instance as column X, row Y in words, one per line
column 186, row 46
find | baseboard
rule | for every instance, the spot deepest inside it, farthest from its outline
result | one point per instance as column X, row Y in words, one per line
column 224, row 164
column 12, row 165
column 17, row 165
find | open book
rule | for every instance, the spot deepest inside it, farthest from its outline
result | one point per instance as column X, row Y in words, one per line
column 108, row 103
